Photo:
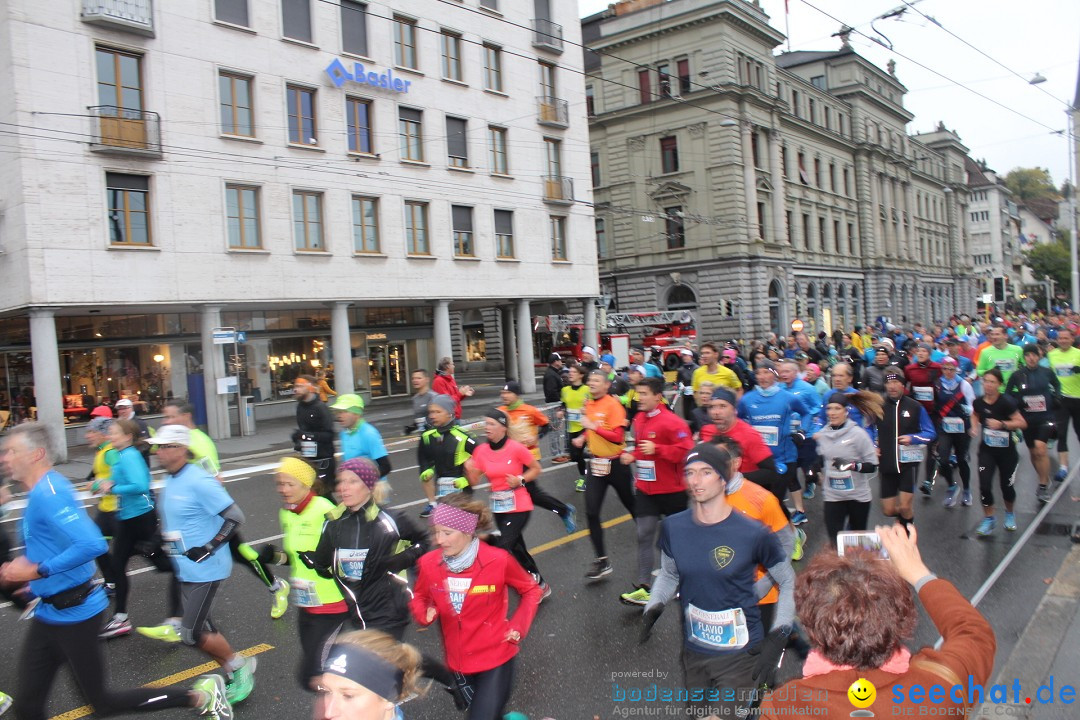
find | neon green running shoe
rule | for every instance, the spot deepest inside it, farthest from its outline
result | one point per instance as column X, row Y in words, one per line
column 165, row 633
column 242, row 683
column 638, row 597
column 800, row 541
column 215, row 705
column 281, row 599
column 5, row 702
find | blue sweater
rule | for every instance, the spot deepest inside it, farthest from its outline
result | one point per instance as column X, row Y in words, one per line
column 131, row 484
column 772, row 417
column 63, row 541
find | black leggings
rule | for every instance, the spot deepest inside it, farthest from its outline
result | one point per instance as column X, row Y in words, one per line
column 577, row 454
column 595, row 489
column 512, row 526
column 47, row 647
column 780, row 484
column 489, row 690
column 853, row 513
column 316, row 630
column 959, row 443
column 429, row 666
column 542, row 500
column 1069, row 410
column 106, row 522
column 1000, row 460
column 130, row 534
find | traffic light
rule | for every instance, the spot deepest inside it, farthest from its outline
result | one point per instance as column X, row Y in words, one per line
column 999, row 289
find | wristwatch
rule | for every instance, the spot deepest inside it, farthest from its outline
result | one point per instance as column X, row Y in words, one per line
column 42, row 571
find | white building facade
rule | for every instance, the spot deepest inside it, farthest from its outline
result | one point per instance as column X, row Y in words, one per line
column 359, row 187
column 993, row 226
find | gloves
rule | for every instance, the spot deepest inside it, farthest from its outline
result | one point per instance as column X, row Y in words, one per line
column 270, row 555
column 781, row 467
column 798, row 437
column 461, row 483
column 769, row 654
column 409, row 430
column 198, row 554
column 843, row 464
column 295, row 436
column 306, row 558
column 545, row 429
column 648, row 619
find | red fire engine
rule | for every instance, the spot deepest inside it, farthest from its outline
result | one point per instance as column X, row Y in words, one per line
column 669, row 330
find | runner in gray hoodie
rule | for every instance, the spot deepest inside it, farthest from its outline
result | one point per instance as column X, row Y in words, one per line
column 849, row 459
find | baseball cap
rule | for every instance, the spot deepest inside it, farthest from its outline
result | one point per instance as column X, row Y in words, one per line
column 171, row 435
column 588, row 351
column 349, row 402
column 512, row 386
column 554, row 357
column 949, row 361
column 124, row 402
column 687, row 351
column 638, row 369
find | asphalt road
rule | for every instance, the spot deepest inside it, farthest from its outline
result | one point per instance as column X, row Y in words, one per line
column 583, row 640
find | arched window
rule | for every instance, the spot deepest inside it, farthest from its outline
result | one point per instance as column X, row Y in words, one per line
column 681, row 297
column 776, row 320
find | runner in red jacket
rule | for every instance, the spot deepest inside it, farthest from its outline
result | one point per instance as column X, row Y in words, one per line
column 922, row 375
column 464, row 585
column 662, row 440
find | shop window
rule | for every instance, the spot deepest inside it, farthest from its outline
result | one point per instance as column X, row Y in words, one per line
column 475, row 342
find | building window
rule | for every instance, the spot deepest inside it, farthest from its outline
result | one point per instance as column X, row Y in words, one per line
column 554, row 157
column 832, row 177
column 601, row 239
column 761, row 216
column 242, row 211
column 847, row 183
column 821, row 234
column 755, row 148
column 461, row 215
column 129, row 209
column 818, row 81
column 416, row 228
column 365, row 223
column 457, row 145
column 828, row 118
column 594, row 166
column 358, row 119
column 353, row 27
column 497, row 146
column 813, row 110
column 644, row 87
column 410, row 128
column 674, row 228
column 664, row 80
column 683, row 69
column 493, row 68
column 817, row 172
column 451, row 55
column 490, row 4
column 804, row 177
column 838, row 245
column 231, row 11
column 302, row 120
column 783, row 161
column 795, row 103
column 851, row 239
column 558, row 237
column 504, row 234
column 669, row 155
column 547, row 80
column 119, row 79
column 405, row 43
column 237, row 111
column 296, row 19
column 806, row 235
column 307, row 221
column 790, row 229
column 590, row 101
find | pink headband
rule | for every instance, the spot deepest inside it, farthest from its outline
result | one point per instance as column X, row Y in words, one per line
column 455, row 518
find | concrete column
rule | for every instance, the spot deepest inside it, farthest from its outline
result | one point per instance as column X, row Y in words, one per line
column 217, row 406
column 178, row 370
column 341, row 346
column 749, row 182
column 776, row 173
column 443, row 345
column 526, row 372
column 592, row 338
column 48, row 390
column 831, row 241
column 890, row 227
column 509, row 341
column 909, row 208
column 258, row 362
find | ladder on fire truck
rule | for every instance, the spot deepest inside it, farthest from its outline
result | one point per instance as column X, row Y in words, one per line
column 615, row 321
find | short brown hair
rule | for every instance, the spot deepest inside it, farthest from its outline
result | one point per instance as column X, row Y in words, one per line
column 856, row 609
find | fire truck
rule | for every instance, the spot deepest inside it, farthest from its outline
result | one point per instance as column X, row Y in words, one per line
column 670, row 330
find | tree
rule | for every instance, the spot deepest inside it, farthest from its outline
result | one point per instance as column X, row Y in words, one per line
column 1049, row 259
column 1029, row 184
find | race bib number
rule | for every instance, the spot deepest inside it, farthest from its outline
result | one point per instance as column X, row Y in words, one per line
column 646, row 470
column 996, row 438
column 841, row 481
column 1034, row 403
column 922, row 393
column 351, row 563
column 304, row 594
column 445, row 486
column 503, row 501
column 309, row 448
column 600, row 467
column 172, row 543
column 1006, row 365
column 725, row 629
column 796, row 423
column 912, row 453
column 952, row 425
column 458, row 588
column 769, row 435
column 573, row 416
column 1063, row 370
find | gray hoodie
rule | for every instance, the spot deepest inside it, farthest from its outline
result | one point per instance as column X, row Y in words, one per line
column 848, row 442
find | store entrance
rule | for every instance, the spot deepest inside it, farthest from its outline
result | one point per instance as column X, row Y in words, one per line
column 389, row 370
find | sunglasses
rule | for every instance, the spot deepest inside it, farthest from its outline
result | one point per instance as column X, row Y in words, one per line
column 172, row 446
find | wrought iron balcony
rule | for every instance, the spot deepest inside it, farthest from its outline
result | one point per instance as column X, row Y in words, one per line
column 558, row 189
column 131, row 15
column 547, row 35
column 120, row 131
column 552, row 111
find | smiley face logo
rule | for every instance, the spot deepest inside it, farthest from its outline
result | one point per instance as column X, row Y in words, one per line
column 862, row 693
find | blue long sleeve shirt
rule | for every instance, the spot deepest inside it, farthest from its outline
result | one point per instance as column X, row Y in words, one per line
column 63, row 541
column 131, row 484
column 772, row 416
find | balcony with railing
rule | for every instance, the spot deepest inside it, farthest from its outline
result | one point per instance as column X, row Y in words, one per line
column 121, row 131
column 131, row 15
column 547, row 35
column 552, row 111
column 558, row 189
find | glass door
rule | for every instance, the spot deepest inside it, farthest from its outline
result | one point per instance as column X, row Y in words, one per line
column 397, row 370
column 377, row 370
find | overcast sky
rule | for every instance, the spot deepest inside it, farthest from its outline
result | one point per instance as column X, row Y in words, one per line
column 1035, row 36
